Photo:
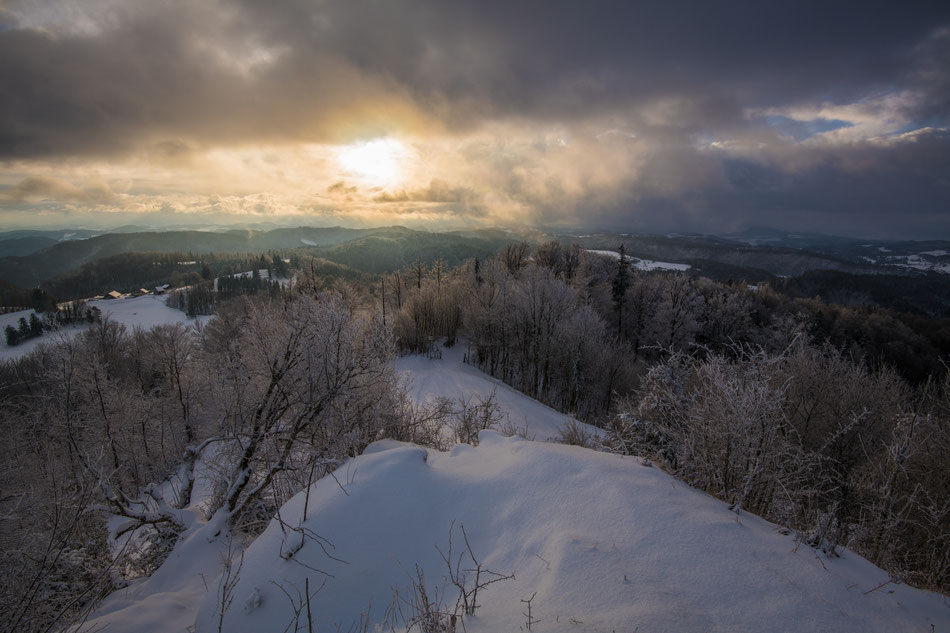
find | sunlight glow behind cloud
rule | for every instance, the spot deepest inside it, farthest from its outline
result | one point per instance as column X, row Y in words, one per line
column 504, row 113
column 379, row 162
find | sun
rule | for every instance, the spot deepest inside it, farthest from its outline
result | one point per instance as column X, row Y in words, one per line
column 379, row 161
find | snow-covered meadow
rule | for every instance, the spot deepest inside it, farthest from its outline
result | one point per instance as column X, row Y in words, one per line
column 645, row 264
column 602, row 542
column 144, row 312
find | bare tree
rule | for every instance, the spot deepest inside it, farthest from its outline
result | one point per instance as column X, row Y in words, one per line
column 294, row 371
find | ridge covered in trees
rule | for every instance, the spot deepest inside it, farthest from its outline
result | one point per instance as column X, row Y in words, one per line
column 830, row 420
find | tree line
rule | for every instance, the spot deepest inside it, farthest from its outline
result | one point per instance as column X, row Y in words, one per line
column 277, row 391
column 831, row 420
column 788, row 407
column 127, row 272
column 52, row 320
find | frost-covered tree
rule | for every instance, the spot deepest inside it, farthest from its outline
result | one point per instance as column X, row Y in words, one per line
column 485, row 318
column 306, row 373
column 677, row 319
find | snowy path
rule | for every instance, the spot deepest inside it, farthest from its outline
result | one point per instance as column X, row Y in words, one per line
column 452, row 378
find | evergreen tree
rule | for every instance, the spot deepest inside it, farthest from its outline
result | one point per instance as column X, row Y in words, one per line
column 23, row 331
column 36, row 326
column 620, row 284
column 42, row 301
column 12, row 337
column 280, row 267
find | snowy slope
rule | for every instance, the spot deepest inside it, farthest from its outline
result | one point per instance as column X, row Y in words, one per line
column 167, row 601
column 605, row 543
column 452, row 378
column 145, row 312
column 645, row 264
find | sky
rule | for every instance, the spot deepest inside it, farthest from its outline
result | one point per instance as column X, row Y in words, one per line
column 639, row 116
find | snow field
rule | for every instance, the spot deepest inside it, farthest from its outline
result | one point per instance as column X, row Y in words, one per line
column 452, row 378
column 600, row 539
column 603, row 542
column 145, row 312
column 645, row 264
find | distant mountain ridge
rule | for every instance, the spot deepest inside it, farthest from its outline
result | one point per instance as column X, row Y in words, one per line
column 28, row 258
column 390, row 247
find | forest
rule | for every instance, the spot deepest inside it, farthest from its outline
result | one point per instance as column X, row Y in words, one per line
column 829, row 420
column 833, row 421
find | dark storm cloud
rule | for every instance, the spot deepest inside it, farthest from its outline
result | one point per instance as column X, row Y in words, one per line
column 712, row 93
column 524, row 50
column 895, row 190
column 172, row 73
column 163, row 70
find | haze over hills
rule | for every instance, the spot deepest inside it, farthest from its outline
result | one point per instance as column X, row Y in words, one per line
column 34, row 258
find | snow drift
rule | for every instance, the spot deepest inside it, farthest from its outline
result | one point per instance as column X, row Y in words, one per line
column 603, row 542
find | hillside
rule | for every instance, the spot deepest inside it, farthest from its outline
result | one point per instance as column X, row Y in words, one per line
column 371, row 250
column 22, row 246
column 64, row 256
column 142, row 312
column 735, row 257
column 602, row 542
column 396, row 248
column 28, row 259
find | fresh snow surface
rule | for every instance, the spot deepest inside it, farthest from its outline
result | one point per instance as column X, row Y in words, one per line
column 167, row 601
column 263, row 273
column 603, row 542
column 144, row 312
column 937, row 253
column 645, row 264
column 452, row 378
column 916, row 262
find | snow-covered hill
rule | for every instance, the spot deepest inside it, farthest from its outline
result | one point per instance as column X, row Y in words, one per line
column 602, row 542
column 645, row 264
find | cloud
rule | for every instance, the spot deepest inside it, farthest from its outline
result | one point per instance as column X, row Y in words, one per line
column 437, row 191
column 652, row 114
column 104, row 77
column 40, row 188
column 340, row 191
column 191, row 73
column 893, row 186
